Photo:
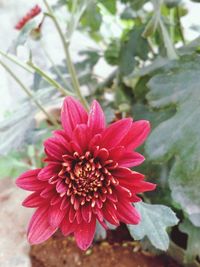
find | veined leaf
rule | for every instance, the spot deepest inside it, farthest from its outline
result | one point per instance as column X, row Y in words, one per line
column 178, row 137
column 154, row 222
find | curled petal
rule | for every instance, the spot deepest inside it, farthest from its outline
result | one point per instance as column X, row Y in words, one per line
column 96, row 119
column 49, row 171
column 113, row 135
column 54, row 149
column 137, row 134
column 72, row 114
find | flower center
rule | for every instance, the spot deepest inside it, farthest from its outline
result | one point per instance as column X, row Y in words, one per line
column 87, row 178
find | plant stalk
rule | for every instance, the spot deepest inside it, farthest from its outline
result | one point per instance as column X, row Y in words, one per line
column 49, row 79
column 69, row 63
column 29, row 93
column 30, row 67
column 180, row 26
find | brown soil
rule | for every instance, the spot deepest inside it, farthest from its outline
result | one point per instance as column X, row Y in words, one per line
column 63, row 252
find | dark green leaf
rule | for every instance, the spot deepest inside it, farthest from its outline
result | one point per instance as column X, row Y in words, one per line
column 112, row 52
column 172, row 3
column 134, row 45
column 178, row 137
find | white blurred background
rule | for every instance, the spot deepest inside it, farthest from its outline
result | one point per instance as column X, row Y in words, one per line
column 11, row 11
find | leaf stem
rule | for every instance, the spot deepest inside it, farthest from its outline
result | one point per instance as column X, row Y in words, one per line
column 49, row 79
column 171, row 53
column 16, row 61
column 30, row 67
column 29, row 93
column 69, row 63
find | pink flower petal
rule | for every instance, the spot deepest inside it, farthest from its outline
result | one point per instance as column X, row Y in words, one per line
column 86, row 213
column 142, row 186
column 61, row 136
column 137, row 134
column 116, row 152
column 56, row 215
column 113, row 135
column 127, row 213
column 67, row 227
column 54, row 149
column 130, row 180
column 48, row 191
column 72, row 214
column 96, row 119
column 121, row 172
column 28, row 181
column 34, row 201
column 39, row 228
column 110, row 213
column 49, row 171
column 101, row 154
column 84, row 234
column 131, row 159
column 72, row 114
column 81, row 136
column 61, row 186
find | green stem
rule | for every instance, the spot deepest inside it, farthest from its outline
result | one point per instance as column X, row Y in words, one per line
column 30, row 67
column 179, row 25
column 16, row 61
column 172, row 29
column 49, row 79
column 69, row 63
column 29, row 93
column 171, row 53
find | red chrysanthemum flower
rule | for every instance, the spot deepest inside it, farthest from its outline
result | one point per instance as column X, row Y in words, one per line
column 87, row 177
column 30, row 15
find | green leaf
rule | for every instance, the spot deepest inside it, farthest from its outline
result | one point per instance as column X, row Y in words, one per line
column 111, row 54
column 193, row 242
column 154, row 221
column 110, row 5
column 92, row 17
column 12, row 165
column 172, row 3
column 134, row 45
column 178, row 137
